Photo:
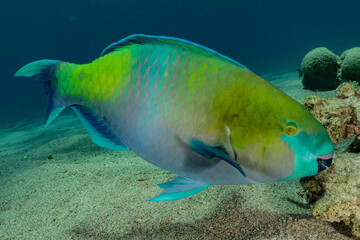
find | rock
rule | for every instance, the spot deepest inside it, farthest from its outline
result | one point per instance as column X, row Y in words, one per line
column 320, row 67
column 334, row 194
column 350, row 65
column 313, row 189
column 340, row 115
column 347, row 90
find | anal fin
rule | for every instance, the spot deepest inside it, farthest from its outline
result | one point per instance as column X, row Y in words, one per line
column 100, row 132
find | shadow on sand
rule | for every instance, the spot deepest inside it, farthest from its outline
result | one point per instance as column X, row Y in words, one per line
column 227, row 221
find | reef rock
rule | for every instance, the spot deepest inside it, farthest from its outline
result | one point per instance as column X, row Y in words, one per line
column 350, row 65
column 340, row 115
column 334, row 194
column 320, row 67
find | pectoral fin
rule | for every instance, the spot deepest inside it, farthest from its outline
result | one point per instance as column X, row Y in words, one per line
column 179, row 188
column 210, row 152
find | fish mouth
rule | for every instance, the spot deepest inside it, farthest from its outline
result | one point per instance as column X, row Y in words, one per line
column 324, row 161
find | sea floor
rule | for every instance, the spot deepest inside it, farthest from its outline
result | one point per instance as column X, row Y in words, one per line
column 57, row 184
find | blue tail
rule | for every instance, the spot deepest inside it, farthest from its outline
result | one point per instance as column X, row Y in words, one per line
column 44, row 70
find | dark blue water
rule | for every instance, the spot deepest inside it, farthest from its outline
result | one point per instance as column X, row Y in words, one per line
column 266, row 36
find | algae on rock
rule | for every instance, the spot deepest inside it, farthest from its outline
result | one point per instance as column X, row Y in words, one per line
column 340, row 115
column 334, row 194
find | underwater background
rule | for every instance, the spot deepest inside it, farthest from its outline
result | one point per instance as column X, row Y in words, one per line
column 266, row 36
column 56, row 183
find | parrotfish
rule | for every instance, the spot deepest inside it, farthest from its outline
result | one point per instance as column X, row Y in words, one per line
column 187, row 109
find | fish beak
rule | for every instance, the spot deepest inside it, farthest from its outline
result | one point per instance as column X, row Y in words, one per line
column 324, row 161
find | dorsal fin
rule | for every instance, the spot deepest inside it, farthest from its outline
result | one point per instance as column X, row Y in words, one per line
column 143, row 39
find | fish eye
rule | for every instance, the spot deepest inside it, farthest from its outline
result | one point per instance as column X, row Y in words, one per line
column 291, row 129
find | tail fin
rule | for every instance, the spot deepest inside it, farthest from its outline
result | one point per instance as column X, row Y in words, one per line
column 44, row 70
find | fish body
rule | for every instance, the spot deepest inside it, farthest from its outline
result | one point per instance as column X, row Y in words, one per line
column 187, row 109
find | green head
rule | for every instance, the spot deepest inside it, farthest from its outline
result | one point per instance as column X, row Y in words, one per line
column 309, row 141
column 274, row 137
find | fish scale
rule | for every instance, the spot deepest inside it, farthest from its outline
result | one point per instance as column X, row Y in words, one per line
column 187, row 109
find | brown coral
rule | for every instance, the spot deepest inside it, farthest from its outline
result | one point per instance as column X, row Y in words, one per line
column 337, row 192
column 340, row 115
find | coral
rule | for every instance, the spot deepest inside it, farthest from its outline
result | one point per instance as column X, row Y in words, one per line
column 319, row 68
column 323, row 70
column 350, row 65
column 334, row 194
column 340, row 115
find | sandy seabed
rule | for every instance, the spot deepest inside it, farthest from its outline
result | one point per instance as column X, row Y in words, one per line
column 57, row 184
